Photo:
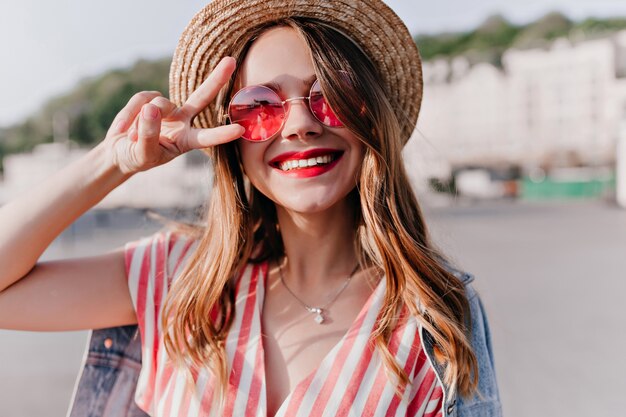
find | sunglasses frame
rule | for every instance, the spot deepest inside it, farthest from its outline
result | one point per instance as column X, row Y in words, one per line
column 285, row 109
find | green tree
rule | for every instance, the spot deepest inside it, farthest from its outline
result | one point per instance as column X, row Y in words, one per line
column 90, row 107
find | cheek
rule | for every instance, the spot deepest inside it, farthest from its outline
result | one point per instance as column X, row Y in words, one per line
column 357, row 148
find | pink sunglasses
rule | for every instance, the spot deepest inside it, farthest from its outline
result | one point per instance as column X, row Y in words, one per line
column 260, row 110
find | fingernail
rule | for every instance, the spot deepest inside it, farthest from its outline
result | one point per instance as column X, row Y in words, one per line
column 224, row 60
column 150, row 112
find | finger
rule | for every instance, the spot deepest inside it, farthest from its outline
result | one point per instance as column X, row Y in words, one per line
column 207, row 91
column 127, row 115
column 204, row 138
column 166, row 107
column 133, row 130
column 149, row 129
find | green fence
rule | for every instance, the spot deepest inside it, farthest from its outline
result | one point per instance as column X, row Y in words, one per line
column 553, row 189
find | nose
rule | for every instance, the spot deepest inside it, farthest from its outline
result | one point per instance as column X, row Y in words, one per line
column 299, row 121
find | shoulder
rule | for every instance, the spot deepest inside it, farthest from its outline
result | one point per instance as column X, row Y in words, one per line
column 160, row 253
column 465, row 277
column 162, row 242
column 487, row 402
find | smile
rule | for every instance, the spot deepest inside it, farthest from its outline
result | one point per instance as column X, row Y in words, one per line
column 308, row 163
column 304, row 163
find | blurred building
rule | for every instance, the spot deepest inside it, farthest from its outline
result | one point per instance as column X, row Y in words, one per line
column 182, row 183
column 555, row 106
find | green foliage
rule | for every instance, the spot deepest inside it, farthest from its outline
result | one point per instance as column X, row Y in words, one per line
column 90, row 107
column 495, row 35
column 551, row 26
column 592, row 26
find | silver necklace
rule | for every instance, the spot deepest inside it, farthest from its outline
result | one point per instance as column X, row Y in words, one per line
column 318, row 311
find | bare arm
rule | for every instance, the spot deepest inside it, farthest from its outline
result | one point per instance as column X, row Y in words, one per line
column 65, row 294
column 91, row 292
column 30, row 223
column 70, row 294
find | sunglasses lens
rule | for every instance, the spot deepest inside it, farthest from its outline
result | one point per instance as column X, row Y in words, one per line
column 259, row 110
column 320, row 107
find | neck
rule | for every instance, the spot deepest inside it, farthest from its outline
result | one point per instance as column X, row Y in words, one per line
column 319, row 247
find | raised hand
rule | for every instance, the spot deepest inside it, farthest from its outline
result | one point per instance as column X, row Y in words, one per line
column 151, row 130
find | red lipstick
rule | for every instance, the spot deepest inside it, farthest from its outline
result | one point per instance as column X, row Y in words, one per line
column 307, row 171
column 311, row 153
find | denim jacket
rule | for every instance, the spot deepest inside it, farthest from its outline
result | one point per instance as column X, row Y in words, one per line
column 111, row 365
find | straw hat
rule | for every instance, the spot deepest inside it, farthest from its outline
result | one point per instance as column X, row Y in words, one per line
column 369, row 23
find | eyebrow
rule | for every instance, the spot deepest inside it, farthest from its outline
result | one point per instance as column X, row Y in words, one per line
column 276, row 87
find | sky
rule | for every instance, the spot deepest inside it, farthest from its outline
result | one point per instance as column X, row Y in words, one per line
column 49, row 46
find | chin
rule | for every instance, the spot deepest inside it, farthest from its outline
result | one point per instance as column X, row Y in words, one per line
column 311, row 202
column 305, row 205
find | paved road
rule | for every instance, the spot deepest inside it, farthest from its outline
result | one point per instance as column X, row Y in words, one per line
column 552, row 278
column 38, row 370
column 550, row 275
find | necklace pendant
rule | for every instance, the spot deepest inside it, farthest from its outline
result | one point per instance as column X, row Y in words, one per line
column 319, row 319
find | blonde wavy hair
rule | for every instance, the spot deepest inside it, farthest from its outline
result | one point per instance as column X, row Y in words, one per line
column 239, row 221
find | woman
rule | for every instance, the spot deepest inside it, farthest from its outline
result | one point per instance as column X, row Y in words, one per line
column 311, row 286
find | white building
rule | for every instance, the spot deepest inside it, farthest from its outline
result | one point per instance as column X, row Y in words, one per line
column 181, row 183
column 543, row 104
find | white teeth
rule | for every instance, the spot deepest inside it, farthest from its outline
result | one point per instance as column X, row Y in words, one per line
column 303, row 163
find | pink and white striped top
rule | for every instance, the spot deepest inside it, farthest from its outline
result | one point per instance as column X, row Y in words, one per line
column 350, row 380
